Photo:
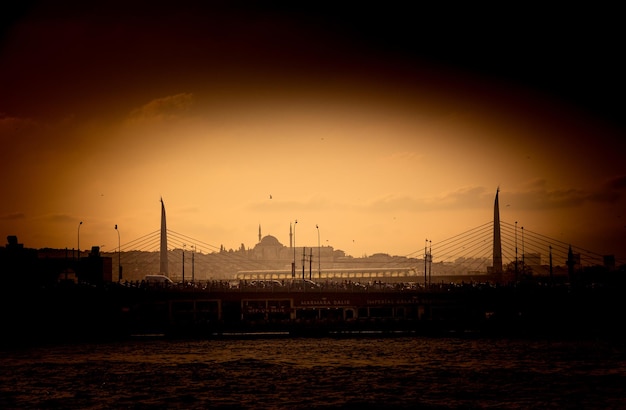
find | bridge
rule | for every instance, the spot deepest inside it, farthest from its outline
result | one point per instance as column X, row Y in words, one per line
column 492, row 247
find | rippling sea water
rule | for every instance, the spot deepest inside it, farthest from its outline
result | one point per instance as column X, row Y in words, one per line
column 403, row 372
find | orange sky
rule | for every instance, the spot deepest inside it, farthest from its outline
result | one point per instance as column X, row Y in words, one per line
column 368, row 125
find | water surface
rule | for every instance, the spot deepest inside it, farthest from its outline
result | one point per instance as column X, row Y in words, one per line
column 317, row 373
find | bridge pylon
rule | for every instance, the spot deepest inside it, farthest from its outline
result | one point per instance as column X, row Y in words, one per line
column 497, row 240
column 163, row 268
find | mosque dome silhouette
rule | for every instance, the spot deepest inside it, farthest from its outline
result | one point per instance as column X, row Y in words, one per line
column 269, row 240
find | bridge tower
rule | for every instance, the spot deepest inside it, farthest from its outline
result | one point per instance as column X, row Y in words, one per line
column 163, row 254
column 497, row 241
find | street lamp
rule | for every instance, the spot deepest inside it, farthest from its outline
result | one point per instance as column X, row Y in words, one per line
column 430, row 261
column 523, row 253
column 193, row 252
column 425, row 262
column 79, row 224
column 119, row 256
column 293, row 266
column 515, row 250
column 319, row 253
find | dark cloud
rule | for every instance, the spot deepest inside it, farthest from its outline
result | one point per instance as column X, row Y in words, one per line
column 165, row 108
column 536, row 197
column 617, row 183
column 12, row 216
column 462, row 199
column 541, row 197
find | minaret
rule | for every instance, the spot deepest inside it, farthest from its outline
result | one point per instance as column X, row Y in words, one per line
column 259, row 233
column 164, row 265
column 497, row 242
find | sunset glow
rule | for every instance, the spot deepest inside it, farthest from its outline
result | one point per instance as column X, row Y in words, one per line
column 244, row 119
